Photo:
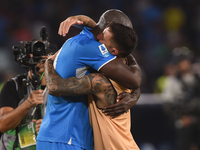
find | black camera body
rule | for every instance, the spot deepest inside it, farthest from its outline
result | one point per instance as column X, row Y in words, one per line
column 29, row 53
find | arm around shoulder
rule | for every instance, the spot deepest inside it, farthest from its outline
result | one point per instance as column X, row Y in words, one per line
column 87, row 21
column 75, row 20
column 127, row 76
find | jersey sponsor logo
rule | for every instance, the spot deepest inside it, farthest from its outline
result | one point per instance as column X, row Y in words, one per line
column 104, row 51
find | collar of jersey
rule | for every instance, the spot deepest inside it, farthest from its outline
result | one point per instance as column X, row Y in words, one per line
column 88, row 33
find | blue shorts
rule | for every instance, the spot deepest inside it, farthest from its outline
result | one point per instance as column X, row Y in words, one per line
column 43, row 145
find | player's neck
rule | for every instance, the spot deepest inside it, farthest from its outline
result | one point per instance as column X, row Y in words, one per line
column 96, row 31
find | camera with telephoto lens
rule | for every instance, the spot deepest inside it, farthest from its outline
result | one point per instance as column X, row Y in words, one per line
column 29, row 53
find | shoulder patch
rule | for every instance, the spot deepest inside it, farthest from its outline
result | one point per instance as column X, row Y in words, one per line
column 104, row 51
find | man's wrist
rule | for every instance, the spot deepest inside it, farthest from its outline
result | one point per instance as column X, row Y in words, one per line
column 29, row 104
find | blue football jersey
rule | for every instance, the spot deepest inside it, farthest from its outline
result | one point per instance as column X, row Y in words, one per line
column 67, row 117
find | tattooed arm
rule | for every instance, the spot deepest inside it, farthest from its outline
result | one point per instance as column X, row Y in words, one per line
column 94, row 83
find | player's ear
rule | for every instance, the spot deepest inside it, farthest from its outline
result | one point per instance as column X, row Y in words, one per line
column 99, row 36
column 114, row 51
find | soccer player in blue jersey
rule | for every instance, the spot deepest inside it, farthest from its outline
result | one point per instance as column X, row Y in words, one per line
column 66, row 123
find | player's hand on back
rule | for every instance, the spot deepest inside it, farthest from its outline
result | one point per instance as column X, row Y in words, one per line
column 66, row 24
column 126, row 101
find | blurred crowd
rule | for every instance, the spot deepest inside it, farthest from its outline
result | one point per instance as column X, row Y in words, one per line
column 161, row 25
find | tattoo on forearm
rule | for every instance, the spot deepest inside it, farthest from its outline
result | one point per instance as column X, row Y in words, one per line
column 89, row 84
column 50, row 74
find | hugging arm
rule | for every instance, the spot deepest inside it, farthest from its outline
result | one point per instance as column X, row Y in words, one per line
column 126, row 101
column 75, row 20
column 94, row 83
column 127, row 76
column 58, row 86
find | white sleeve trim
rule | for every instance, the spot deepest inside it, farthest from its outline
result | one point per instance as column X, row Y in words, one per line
column 55, row 61
column 106, row 63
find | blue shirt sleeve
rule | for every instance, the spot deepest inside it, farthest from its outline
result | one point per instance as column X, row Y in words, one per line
column 93, row 54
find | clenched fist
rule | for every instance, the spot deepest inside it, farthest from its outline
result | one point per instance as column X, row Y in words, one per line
column 35, row 98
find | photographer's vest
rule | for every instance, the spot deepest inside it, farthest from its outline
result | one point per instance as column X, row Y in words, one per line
column 24, row 135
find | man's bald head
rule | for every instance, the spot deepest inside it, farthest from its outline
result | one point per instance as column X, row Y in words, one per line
column 113, row 15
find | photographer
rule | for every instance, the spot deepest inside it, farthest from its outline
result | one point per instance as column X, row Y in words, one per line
column 17, row 103
column 22, row 96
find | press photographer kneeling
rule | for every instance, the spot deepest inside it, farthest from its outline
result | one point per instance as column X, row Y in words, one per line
column 21, row 97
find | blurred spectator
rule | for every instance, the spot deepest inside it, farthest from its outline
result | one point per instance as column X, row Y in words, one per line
column 183, row 97
column 162, row 81
column 196, row 68
column 174, row 18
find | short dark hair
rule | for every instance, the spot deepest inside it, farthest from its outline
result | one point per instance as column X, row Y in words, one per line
column 124, row 38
